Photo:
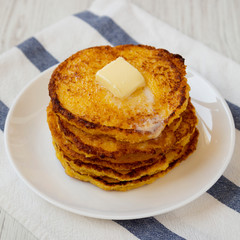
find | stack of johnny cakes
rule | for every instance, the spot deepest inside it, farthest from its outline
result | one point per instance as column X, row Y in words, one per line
column 125, row 133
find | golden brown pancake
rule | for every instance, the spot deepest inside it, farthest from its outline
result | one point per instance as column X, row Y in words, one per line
column 143, row 115
column 120, row 144
column 109, row 183
column 119, row 166
column 105, row 147
column 160, row 163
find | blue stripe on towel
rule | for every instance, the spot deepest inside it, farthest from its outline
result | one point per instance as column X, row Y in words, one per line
column 227, row 193
column 37, row 54
column 236, row 114
column 107, row 28
column 3, row 114
column 148, row 229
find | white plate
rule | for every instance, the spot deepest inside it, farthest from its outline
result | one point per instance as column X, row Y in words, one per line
column 28, row 144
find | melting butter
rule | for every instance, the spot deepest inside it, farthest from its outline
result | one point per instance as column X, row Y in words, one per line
column 120, row 78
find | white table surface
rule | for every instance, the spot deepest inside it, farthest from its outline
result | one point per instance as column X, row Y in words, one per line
column 215, row 23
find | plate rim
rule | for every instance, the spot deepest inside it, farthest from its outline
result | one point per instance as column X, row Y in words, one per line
column 116, row 216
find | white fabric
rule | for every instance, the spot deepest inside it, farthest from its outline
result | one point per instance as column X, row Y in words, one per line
column 206, row 217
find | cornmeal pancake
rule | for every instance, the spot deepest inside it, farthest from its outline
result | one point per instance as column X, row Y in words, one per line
column 69, row 146
column 109, row 148
column 103, row 145
column 108, row 183
column 132, row 174
column 121, row 143
column 124, row 167
column 78, row 99
column 119, row 165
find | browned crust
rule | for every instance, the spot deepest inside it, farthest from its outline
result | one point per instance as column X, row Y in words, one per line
column 118, row 185
column 187, row 126
column 118, row 166
column 63, row 142
column 136, row 173
column 177, row 63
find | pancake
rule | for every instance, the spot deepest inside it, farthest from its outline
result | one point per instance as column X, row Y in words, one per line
column 103, row 145
column 108, row 183
column 80, row 159
column 68, row 149
column 118, row 166
column 132, row 174
column 113, row 150
column 114, row 143
column 112, row 171
column 78, row 99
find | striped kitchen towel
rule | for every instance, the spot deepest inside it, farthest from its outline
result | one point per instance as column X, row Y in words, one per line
column 214, row 215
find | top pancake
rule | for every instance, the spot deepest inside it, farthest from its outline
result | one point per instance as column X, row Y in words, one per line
column 78, row 98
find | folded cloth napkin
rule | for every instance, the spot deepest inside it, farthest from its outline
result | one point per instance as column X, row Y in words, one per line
column 214, row 215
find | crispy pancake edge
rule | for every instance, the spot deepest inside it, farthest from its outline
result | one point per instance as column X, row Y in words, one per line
column 132, row 174
column 126, row 185
column 127, row 149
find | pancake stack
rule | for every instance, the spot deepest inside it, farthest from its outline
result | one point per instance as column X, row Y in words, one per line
column 121, row 144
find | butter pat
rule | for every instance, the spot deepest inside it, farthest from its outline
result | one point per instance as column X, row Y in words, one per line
column 120, row 78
